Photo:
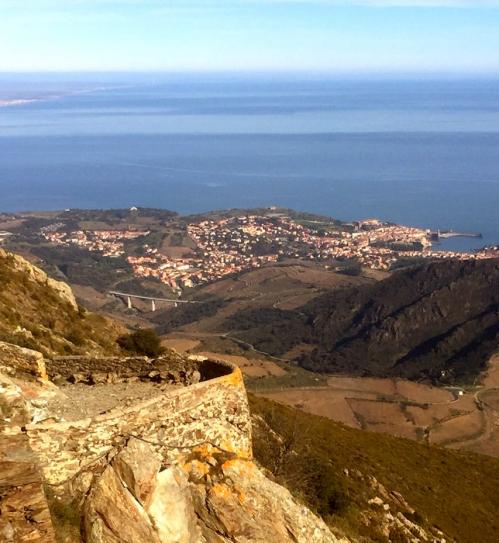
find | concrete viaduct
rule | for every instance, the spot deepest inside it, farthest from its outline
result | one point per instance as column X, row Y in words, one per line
column 129, row 297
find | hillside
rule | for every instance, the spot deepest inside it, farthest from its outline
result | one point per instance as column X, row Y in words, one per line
column 367, row 487
column 42, row 314
column 285, row 285
column 359, row 481
column 438, row 322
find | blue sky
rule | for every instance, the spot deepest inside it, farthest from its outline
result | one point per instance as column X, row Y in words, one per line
column 188, row 35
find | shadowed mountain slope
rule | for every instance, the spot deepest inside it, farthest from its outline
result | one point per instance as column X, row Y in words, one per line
column 439, row 321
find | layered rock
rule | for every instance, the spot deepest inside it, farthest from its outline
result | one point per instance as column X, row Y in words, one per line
column 173, row 469
column 24, row 512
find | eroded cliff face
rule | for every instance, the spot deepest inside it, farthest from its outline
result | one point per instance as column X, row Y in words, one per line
column 174, row 468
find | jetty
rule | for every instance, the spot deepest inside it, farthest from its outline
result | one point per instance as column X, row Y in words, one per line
column 445, row 234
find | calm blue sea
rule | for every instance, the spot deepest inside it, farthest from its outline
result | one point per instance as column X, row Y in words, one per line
column 421, row 152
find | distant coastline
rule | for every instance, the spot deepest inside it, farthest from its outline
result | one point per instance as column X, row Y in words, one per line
column 9, row 102
column 345, row 149
column 17, row 102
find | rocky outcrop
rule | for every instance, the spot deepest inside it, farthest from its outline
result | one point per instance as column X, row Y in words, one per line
column 238, row 503
column 211, row 498
column 39, row 276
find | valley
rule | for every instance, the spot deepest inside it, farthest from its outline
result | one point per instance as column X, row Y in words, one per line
column 299, row 327
column 337, row 442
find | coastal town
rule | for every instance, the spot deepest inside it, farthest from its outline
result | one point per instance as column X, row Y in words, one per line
column 226, row 246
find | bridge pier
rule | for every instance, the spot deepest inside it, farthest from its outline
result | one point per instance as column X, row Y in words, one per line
column 153, row 305
column 129, row 302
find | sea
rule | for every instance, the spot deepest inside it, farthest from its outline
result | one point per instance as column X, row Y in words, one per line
column 421, row 151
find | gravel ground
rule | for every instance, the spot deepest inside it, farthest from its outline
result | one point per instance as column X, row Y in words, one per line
column 81, row 401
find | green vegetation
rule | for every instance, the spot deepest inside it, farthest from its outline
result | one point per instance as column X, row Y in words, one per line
column 82, row 267
column 270, row 330
column 144, row 342
column 116, row 216
column 454, row 491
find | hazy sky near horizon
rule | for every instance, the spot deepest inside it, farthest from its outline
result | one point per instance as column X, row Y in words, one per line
column 186, row 35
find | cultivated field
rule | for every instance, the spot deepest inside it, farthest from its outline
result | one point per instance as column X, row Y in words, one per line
column 467, row 420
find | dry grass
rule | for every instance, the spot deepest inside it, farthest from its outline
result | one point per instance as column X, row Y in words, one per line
column 457, row 492
column 458, row 429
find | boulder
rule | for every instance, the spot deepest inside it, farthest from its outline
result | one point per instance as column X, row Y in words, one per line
column 137, row 466
column 244, row 506
column 113, row 515
column 171, row 509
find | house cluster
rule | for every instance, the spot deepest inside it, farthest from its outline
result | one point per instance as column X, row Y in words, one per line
column 108, row 242
column 232, row 245
column 373, row 245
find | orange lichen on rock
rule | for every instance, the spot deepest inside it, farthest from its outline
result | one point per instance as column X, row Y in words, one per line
column 221, row 490
column 196, row 469
column 235, row 378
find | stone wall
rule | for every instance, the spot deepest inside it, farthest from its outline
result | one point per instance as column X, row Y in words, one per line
column 171, row 367
column 21, row 363
column 214, row 411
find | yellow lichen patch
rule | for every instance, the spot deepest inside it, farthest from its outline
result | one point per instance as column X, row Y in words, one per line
column 196, row 468
column 42, row 370
column 205, row 450
column 221, row 491
column 240, row 449
column 235, row 378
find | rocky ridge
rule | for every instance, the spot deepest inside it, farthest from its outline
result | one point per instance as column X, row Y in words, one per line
column 33, row 273
column 439, row 321
column 212, row 497
column 42, row 314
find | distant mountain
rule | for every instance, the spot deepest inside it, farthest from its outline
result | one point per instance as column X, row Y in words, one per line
column 439, row 322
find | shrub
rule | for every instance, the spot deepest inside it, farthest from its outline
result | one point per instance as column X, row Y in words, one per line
column 145, row 341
